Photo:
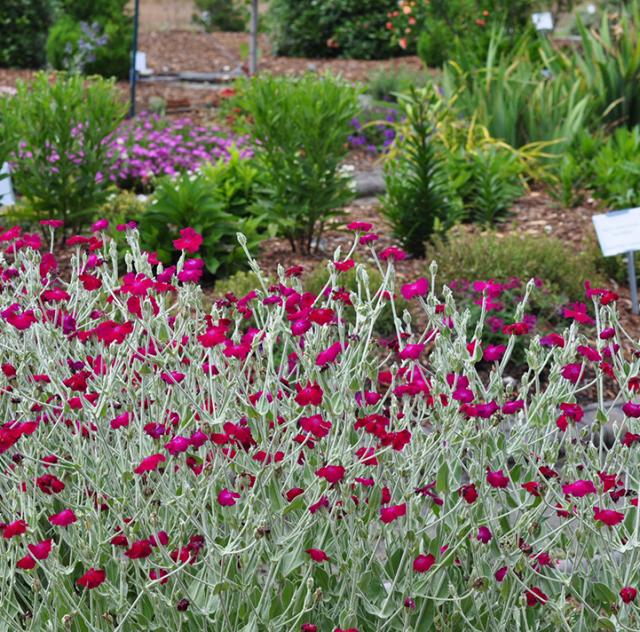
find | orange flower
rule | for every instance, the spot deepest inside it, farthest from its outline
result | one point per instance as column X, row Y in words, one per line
column 403, row 43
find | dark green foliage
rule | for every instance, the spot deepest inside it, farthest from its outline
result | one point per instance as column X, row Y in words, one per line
column 92, row 37
column 221, row 15
column 217, row 204
column 23, row 32
column 302, row 126
column 46, row 126
column 420, row 199
column 491, row 182
column 332, row 28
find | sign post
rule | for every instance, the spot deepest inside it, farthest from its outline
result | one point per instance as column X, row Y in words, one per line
column 619, row 233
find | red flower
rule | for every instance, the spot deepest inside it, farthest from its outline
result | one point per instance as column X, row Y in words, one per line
column 343, row 266
column 535, row 596
column 64, row 518
column 139, row 550
column 189, row 241
column 293, row 493
column 628, row 594
column 497, row 479
column 579, row 488
column 331, row 473
column 389, row 514
column 484, row 535
column 329, row 354
column 92, row 578
column 308, row 627
column 423, row 563
column 310, row 395
column 360, row 226
column 419, row 287
column 500, row 573
column 41, row 550
column 412, row 352
column 608, row 516
column 493, row 353
column 317, row 555
column 227, row 498
column 150, row 463
column 631, row 410
column 26, row 563
column 17, row 527
column 469, row 493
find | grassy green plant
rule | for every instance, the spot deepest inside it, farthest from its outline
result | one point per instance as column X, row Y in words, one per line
column 616, row 169
column 469, row 255
column 54, row 130
column 420, row 200
column 302, row 126
column 386, row 83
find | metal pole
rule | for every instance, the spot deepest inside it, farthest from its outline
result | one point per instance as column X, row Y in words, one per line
column 253, row 39
column 133, row 75
column 633, row 281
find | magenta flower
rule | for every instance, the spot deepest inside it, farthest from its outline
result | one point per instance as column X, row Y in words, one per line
column 420, row 287
column 227, row 498
column 189, row 241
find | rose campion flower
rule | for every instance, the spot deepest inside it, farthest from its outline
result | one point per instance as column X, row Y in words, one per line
column 329, row 354
column 607, row 516
column 331, row 473
column 309, row 395
column 41, row 550
column 423, row 563
column 412, row 351
column 64, row 518
column 484, row 535
column 150, row 463
column 344, row 266
column 579, row 488
column 360, row 226
column 389, row 514
column 317, row 555
column 308, row 627
column 497, row 479
column 92, row 578
column 493, row 353
column 628, row 594
column 501, row 573
column 227, row 498
column 535, row 596
column 631, row 409
column 189, row 240
column 17, row 527
column 420, row 287
column 469, row 493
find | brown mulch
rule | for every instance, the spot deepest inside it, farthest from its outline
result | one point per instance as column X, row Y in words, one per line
column 175, row 51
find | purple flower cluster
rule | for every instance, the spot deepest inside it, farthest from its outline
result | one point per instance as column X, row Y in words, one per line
column 151, row 146
column 374, row 138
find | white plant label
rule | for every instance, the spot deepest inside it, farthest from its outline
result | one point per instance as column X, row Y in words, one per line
column 7, row 198
column 618, row 232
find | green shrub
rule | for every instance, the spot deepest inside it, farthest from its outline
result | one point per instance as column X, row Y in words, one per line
column 491, row 182
column 55, row 131
column 616, row 169
column 23, row 32
column 302, row 126
column 94, row 38
column 386, row 83
column 221, row 15
column 420, row 199
column 468, row 255
column 191, row 201
column 332, row 28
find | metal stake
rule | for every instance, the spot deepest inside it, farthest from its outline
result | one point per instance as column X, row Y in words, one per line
column 633, row 281
column 253, row 39
column 133, row 75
